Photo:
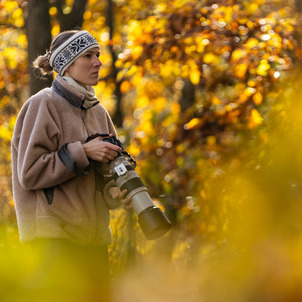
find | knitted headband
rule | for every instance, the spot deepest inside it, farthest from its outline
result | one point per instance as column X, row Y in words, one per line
column 70, row 50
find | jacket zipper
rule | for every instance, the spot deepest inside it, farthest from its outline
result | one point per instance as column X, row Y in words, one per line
column 83, row 120
column 88, row 134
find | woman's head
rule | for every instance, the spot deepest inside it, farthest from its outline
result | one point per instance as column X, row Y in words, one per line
column 65, row 50
column 85, row 69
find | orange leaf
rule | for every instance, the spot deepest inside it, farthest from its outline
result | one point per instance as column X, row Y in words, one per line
column 255, row 119
column 258, row 98
column 125, row 86
column 195, row 123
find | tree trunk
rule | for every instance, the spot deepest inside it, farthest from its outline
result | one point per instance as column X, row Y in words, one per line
column 38, row 30
column 298, row 4
column 74, row 19
column 188, row 96
column 118, row 116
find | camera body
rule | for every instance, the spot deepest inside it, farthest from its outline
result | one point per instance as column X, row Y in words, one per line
column 152, row 219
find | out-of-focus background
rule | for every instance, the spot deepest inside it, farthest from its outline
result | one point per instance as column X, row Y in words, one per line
column 206, row 95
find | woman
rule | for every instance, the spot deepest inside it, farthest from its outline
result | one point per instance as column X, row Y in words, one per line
column 61, row 189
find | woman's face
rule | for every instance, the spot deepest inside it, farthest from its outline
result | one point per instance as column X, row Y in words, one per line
column 85, row 69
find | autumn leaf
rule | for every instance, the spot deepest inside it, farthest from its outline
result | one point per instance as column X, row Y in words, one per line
column 255, row 119
column 263, row 68
column 240, row 70
column 195, row 76
column 257, row 98
column 194, row 124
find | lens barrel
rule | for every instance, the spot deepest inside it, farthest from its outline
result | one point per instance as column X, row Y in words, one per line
column 153, row 222
column 152, row 219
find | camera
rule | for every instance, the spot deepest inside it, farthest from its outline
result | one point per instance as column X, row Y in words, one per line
column 152, row 220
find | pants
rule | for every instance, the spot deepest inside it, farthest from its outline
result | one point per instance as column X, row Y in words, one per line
column 66, row 272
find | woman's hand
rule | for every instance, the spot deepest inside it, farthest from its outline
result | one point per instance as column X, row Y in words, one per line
column 101, row 151
column 117, row 194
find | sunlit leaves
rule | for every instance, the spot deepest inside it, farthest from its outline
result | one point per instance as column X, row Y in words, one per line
column 255, row 119
column 13, row 83
column 196, row 77
column 11, row 13
column 232, row 54
column 263, row 68
column 193, row 124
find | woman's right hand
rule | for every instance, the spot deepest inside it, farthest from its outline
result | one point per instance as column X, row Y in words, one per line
column 101, row 151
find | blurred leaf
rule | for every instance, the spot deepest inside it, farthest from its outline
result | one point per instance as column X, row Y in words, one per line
column 255, row 119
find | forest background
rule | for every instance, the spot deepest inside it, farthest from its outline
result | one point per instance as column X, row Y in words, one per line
column 206, row 96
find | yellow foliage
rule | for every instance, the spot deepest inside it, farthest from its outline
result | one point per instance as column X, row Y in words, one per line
column 11, row 54
column 216, row 101
column 255, row 119
column 55, row 30
column 142, row 102
column 240, row 70
column 87, row 15
column 257, row 98
column 246, row 94
column 5, row 100
column 6, row 129
column 238, row 54
column 10, row 6
column 275, row 41
column 180, row 148
column 159, row 104
column 175, row 108
column 137, row 78
column 228, row 14
column 18, row 17
column 125, row 86
column 22, row 41
column 195, row 76
column 210, row 58
column 263, row 68
column 251, row 43
column 252, row 83
column 53, row 11
column 169, row 69
column 253, row 7
column 134, row 150
column 250, row 24
column 211, row 140
column 194, row 124
column 100, row 21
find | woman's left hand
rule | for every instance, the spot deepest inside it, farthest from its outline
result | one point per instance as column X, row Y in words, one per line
column 116, row 193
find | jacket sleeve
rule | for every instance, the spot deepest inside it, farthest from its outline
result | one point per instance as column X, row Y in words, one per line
column 37, row 145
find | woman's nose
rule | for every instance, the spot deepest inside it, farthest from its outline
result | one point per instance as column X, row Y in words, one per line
column 98, row 62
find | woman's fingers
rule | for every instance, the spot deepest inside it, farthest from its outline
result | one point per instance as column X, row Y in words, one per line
column 117, row 194
column 99, row 150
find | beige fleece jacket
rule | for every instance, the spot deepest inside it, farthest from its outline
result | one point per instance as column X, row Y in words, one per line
column 50, row 200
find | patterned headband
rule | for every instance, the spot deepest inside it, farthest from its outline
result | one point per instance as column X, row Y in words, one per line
column 70, row 50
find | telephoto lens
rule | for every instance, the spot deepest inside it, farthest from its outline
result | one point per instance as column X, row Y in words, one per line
column 152, row 219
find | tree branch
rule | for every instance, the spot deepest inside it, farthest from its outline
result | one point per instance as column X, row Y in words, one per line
column 74, row 19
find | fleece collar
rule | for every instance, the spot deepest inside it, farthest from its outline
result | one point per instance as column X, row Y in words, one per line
column 69, row 93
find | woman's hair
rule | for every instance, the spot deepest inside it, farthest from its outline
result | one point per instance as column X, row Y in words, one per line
column 42, row 62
